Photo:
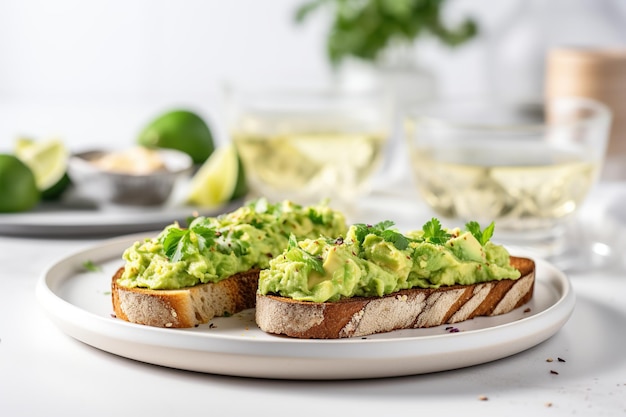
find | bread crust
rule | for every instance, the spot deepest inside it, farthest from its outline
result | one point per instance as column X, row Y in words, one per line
column 185, row 307
column 406, row 309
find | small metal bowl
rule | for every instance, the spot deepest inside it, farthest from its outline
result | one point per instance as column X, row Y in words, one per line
column 111, row 187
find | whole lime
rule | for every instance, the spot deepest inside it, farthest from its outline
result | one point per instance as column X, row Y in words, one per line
column 18, row 189
column 182, row 130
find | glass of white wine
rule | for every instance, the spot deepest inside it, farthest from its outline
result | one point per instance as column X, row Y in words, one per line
column 308, row 145
column 526, row 166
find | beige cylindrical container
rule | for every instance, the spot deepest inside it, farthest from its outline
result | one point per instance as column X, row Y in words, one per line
column 599, row 74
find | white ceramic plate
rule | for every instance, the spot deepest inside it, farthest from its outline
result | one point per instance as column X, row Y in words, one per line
column 79, row 302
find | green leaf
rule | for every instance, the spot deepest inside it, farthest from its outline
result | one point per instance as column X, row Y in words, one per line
column 297, row 254
column 365, row 28
column 178, row 242
column 434, row 233
column 361, row 230
column 305, row 9
column 384, row 230
column 171, row 241
column 397, row 239
column 90, row 266
column 316, row 218
column 230, row 241
column 293, row 243
column 202, row 235
column 482, row 236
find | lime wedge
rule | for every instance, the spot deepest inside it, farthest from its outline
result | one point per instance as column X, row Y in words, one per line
column 47, row 160
column 220, row 179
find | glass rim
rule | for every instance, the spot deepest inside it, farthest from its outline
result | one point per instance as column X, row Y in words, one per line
column 419, row 113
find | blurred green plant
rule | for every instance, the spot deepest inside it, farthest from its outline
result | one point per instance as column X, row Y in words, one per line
column 365, row 28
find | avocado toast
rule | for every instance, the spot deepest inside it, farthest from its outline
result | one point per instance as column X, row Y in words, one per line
column 186, row 276
column 378, row 280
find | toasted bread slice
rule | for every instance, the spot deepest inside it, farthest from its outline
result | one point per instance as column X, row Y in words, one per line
column 406, row 309
column 186, row 307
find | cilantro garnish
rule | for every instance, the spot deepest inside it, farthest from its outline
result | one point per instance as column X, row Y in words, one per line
column 231, row 242
column 434, row 233
column 90, row 266
column 297, row 254
column 384, row 230
column 180, row 242
column 482, row 236
column 316, row 218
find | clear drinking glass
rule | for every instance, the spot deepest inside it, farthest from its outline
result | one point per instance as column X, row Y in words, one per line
column 308, row 145
column 526, row 166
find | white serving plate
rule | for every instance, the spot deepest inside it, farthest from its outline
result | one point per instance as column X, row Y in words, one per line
column 79, row 303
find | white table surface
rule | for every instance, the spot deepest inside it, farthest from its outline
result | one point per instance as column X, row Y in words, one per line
column 44, row 372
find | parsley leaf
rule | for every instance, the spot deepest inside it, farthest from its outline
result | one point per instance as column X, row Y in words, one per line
column 230, row 242
column 361, row 230
column 179, row 242
column 434, row 233
column 316, row 218
column 398, row 239
column 173, row 243
column 297, row 254
column 385, row 231
column 482, row 236
column 90, row 266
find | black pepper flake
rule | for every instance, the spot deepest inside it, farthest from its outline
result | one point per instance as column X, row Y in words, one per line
column 560, row 359
column 113, row 315
column 483, row 398
column 553, row 372
column 211, row 326
column 451, row 329
column 527, row 310
column 339, row 241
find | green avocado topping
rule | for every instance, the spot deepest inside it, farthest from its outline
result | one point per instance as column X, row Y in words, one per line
column 375, row 260
column 211, row 249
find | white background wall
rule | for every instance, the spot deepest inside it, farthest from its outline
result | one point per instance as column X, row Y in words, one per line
column 96, row 70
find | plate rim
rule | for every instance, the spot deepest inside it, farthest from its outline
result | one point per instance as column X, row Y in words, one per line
column 103, row 221
column 119, row 337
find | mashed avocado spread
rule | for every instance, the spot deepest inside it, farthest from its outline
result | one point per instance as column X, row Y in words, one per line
column 214, row 248
column 377, row 260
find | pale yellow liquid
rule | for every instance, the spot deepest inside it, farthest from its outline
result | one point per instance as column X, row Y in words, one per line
column 309, row 166
column 522, row 188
